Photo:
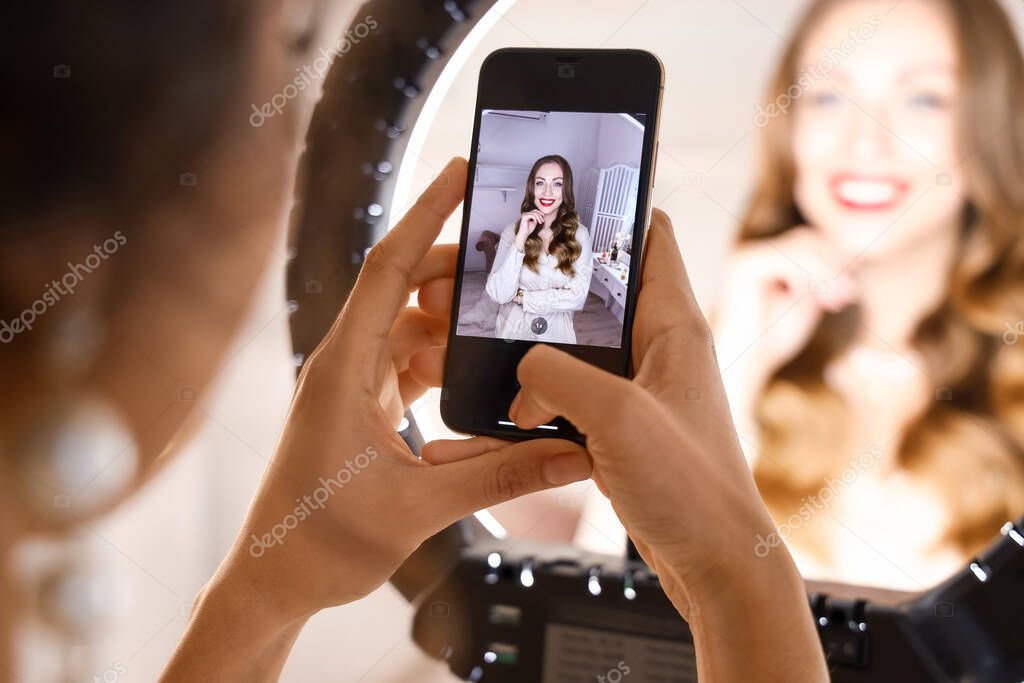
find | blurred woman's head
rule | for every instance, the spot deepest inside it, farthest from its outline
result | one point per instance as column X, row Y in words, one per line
column 141, row 209
column 903, row 128
column 879, row 132
column 549, row 189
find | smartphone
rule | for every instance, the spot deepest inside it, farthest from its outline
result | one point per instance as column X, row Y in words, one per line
column 557, row 207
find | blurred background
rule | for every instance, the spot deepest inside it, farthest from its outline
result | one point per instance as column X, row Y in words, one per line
column 158, row 550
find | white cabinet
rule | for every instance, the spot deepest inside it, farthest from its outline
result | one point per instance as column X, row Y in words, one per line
column 609, row 283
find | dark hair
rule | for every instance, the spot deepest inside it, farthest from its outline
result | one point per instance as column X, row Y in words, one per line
column 564, row 244
column 113, row 98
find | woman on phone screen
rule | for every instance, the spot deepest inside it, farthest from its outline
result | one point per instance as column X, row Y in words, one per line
column 542, row 268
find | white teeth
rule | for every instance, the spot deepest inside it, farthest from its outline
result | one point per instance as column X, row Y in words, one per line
column 866, row 191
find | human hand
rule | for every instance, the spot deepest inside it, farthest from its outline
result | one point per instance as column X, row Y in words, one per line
column 344, row 502
column 667, row 456
column 779, row 289
column 351, row 396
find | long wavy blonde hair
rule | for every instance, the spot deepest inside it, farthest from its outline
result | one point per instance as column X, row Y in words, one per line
column 564, row 245
column 969, row 446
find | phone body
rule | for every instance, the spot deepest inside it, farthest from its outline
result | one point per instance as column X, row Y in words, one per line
column 557, row 133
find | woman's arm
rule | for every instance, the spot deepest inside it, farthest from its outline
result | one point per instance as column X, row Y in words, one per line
column 675, row 474
column 573, row 295
column 755, row 625
column 234, row 634
column 344, row 502
column 503, row 281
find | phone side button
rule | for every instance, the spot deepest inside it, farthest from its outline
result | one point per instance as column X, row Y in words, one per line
column 654, row 168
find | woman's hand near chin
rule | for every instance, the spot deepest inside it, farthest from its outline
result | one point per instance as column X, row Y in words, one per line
column 344, row 502
column 796, row 274
column 774, row 295
column 528, row 223
column 667, row 456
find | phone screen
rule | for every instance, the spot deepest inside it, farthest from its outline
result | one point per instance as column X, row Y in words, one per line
column 550, row 227
column 553, row 226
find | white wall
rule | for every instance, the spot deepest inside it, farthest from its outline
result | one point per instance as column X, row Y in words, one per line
column 586, row 140
column 518, row 143
column 620, row 141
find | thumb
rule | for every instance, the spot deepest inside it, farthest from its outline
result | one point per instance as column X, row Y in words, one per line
column 458, row 489
column 555, row 383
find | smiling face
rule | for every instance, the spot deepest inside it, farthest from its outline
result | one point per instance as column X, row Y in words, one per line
column 874, row 144
column 547, row 188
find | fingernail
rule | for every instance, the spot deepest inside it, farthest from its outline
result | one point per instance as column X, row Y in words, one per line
column 514, row 408
column 566, row 468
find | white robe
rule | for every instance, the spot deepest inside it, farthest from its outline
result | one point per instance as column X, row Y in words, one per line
column 548, row 294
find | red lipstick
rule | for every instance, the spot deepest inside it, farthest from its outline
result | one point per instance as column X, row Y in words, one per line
column 868, row 192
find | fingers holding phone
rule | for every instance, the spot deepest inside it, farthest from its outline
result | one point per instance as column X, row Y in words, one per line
column 666, row 454
column 365, row 502
column 651, row 443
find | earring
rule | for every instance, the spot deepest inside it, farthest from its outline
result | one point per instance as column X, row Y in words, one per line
column 79, row 454
column 79, row 451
